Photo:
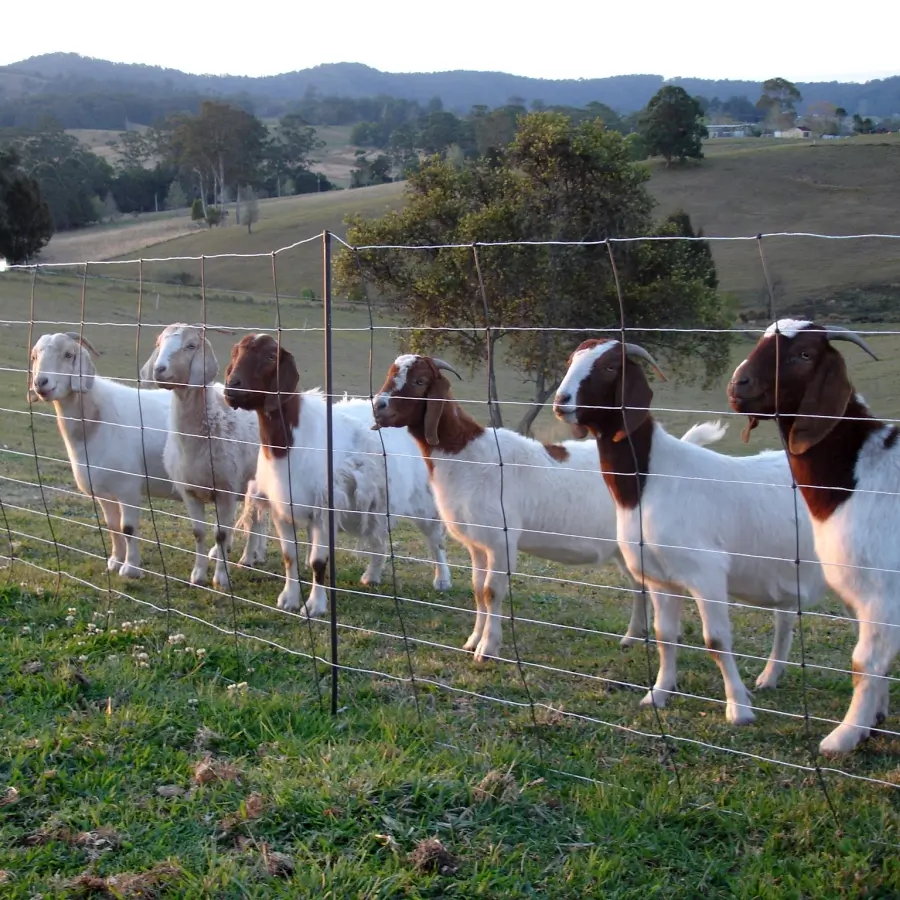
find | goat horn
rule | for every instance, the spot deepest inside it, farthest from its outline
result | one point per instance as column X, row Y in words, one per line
column 84, row 342
column 440, row 364
column 836, row 333
column 637, row 350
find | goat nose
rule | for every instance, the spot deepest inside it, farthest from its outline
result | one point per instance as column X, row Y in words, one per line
column 159, row 369
column 41, row 382
column 380, row 403
column 233, row 383
column 563, row 398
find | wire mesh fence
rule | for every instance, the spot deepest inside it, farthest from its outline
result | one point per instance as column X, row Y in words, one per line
column 531, row 523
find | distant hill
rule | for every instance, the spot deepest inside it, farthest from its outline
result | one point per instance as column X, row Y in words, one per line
column 68, row 74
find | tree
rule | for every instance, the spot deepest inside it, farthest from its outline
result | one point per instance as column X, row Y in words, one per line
column 25, row 221
column 777, row 102
column 671, row 125
column 197, row 210
column 559, row 181
column 249, row 208
column 175, row 196
column 370, row 171
column 288, row 152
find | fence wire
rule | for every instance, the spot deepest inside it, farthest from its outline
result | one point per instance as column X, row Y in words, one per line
column 46, row 538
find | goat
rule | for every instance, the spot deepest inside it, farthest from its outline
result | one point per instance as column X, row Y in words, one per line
column 210, row 453
column 114, row 436
column 847, row 466
column 692, row 520
column 291, row 470
column 543, row 488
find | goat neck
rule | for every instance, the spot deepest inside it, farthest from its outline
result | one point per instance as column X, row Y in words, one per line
column 826, row 472
column 625, row 463
column 456, row 430
column 276, row 426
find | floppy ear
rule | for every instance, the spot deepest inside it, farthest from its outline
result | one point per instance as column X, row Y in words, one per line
column 435, row 401
column 288, row 379
column 83, row 376
column 637, row 393
column 827, row 394
column 146, row 373
column 204, row 366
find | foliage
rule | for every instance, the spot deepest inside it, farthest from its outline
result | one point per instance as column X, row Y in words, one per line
column 671, row 125
column 559, row 182
column 370, row 171
column 71, row 177
column 25, row 221
column 288, row 153
column 777, row 103
column 733, row 110
column 863, row 125
column 636, row 146
column 213, row 216
column 176, row 198
column 197, row 213
column 248, row 203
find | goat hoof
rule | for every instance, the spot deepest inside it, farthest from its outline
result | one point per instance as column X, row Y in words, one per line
column 370, row 580
column 631, row 640
column 766, row 682
column 114, row 564
column 844, row 739
column 442, row 584
column 739, row 715
column 657, row 697
column 130, row 571
column 287, row 602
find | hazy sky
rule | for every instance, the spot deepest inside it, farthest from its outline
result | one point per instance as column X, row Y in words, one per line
column 800, row 41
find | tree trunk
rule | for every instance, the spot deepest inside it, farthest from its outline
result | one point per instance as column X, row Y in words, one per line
column 542, row 394
column 202, row 190
column 493, row 398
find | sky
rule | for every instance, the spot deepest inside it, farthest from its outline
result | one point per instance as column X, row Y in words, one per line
column 795, row 39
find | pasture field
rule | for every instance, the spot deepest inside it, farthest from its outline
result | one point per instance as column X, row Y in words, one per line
column 580, row 794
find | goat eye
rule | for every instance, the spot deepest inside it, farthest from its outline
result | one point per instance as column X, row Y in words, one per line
column 420, row 382
column 805, row 354
column 68, row 355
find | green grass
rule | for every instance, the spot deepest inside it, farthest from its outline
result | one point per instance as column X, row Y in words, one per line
column 728, row 825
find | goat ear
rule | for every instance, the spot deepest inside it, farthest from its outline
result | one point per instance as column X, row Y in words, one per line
column 435, row 401
column 636, row 394
column 146, row 373
column 827, row 394
column 204, row 366
column 288, row 379
column 83, row 376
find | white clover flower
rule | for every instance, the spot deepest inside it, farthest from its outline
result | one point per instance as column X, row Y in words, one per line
column 176, row 638
column 72, row 611
column 26, row 629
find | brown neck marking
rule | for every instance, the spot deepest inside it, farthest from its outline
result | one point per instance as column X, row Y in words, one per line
column 826, row 472
column 625, row 469
column 456, row 430
column 276, row 427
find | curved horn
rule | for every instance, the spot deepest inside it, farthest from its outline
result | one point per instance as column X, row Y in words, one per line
column 836, row 333
column 638, row 350
column 84, row 342
column 440, row 364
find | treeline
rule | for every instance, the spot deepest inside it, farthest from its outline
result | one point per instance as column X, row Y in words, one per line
column 220, row 154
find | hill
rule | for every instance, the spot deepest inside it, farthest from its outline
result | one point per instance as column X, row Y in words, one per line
column 744, row 187
column 68, row 74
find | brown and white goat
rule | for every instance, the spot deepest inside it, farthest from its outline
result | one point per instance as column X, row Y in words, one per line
column 690, row 520
column 847, row 466
column 536, row 506
column 291, row 470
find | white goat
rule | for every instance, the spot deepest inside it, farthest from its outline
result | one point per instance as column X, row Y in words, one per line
column 690, row 520
column 211, row 449
column 114, row 436
column 847, row 465
column 544, row 487
column 291, row 471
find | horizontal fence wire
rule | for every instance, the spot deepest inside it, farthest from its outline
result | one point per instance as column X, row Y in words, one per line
column 409, row 634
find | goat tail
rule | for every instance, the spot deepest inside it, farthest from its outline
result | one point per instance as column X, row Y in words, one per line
column 704, row 433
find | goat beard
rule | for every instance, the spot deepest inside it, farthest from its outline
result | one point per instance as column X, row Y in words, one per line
column 752, row 422
column 579, row 432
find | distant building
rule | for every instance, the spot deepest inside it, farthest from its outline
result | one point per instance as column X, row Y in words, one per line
column 798, row 131
column 742, row 129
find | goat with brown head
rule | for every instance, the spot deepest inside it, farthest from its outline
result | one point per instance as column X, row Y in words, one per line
column 795, row 373
column 416, row 395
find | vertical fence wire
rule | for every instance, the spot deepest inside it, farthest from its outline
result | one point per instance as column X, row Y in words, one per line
column 37, row 464
column 801, row 637
column 137, row 363
column 9, row 540
column 414, row 687
column 87, row 457
column 664, row 735
column 312, row 638
column 329, row 463
column 508, row 573
column 220, row 545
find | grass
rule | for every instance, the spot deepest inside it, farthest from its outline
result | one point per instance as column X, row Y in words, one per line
column 90, row 735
